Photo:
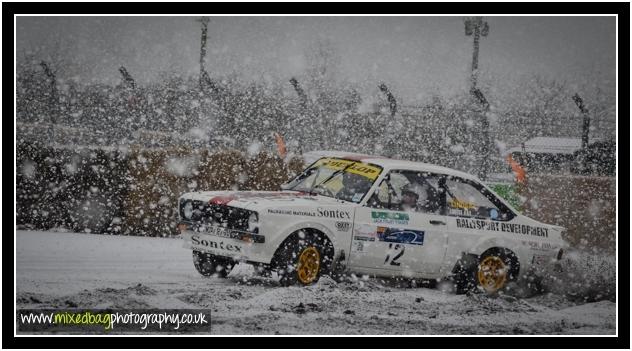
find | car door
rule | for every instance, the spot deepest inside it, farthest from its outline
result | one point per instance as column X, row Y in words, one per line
column 391, row 237
column 473, row 214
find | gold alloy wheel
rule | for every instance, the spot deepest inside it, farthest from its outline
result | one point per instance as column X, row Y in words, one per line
column 492, row 273
column 308, row 265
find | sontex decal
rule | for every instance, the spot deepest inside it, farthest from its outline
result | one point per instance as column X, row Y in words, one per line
column 320, row 212
column 196, row 240
column 402, row 236
column 389, row 217
column 502, row 227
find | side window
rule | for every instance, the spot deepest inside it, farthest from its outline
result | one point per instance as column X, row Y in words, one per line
column 387, row 195
column 468, row 199
column 410, row 191
column 390, row 188
column 431, row 194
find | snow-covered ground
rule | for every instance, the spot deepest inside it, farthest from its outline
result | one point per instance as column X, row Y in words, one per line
column 100, row 271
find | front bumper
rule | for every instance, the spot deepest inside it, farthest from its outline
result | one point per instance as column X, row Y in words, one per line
column 241, row 235
column 238, row 245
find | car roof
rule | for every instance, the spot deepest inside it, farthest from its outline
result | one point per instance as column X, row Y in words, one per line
column 385, row 162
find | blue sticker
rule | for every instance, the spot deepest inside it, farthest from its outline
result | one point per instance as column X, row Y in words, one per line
column 357, row 197
column 493, row 214
column 402, row 236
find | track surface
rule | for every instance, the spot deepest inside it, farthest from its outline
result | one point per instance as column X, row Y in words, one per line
column 64, row 270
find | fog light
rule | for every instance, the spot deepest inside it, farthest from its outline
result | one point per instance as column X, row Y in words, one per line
column 253, row 222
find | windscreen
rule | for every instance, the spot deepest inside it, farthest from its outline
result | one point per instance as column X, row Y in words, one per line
column 342, row 179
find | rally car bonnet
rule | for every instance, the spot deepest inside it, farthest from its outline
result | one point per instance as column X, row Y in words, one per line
column 253, row 200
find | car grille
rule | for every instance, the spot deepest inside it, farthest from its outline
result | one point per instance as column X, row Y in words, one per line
column 208, row 214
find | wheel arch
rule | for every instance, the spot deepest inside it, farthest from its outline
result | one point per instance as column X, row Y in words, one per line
column 310, row 229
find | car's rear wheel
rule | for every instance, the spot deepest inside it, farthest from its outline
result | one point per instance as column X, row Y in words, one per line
column 496, row 269
column 208, row 264
column 491, row 272
column 302, row 259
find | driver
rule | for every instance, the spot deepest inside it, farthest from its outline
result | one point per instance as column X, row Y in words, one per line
column 409, row 198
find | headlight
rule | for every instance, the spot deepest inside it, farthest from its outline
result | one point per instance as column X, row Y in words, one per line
column 187, row 211
column 253, row 222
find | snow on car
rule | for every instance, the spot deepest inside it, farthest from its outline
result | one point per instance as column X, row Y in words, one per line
column 373, row 216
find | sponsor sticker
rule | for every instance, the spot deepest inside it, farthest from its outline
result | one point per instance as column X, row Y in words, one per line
column 401, row 236
column 358, row 246
column 213, row 244
column 456, row 203
column 515, row 228
column 389, row 217
column 343, row 226
column 364, row 232
column 539, row 246
column 460, row 212
column 363, row 238
column 359, row 168
column 320, row 212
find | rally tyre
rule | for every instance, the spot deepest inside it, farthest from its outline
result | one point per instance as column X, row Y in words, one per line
column 302, row 259
column 208, row 264
column 496, row 268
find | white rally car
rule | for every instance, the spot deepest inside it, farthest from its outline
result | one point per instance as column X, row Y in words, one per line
column 373, row 216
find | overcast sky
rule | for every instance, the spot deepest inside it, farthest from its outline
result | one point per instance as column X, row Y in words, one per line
column 417, row 56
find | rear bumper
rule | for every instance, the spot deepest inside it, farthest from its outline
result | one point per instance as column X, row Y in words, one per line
column 543, row 265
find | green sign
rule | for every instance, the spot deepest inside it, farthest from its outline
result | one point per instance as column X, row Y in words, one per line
column 390, row 215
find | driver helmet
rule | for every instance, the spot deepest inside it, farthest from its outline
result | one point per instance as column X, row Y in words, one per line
column 409, row 192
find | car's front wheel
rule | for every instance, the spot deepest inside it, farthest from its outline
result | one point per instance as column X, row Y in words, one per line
column 208, row 264
column 302, row 259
